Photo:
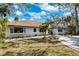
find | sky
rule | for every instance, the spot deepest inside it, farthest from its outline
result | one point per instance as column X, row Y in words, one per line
column 39, row 12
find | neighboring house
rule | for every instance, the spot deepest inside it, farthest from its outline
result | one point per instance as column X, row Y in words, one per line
column 58, row 28
column 23, row 29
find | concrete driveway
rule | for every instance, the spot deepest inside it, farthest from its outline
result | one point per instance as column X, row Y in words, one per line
column 71, row 41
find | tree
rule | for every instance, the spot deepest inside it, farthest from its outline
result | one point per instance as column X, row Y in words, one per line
column 0, row 23
column 3, row 28
column 76, row 5
column 25, row 5
column 5, row 9
column 67, row 20
column 5, row 24
column 44, row 28
column 71, row 30
column 16, row 19
column 73, row 6
column 1, row 32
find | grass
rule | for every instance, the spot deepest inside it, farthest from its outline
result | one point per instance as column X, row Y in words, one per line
column 36, row 47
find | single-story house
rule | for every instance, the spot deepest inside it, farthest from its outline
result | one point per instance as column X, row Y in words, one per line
column 23, row 29
column 31, row 28
column 58, row 28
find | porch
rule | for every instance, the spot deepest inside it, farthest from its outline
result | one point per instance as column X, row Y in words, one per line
column 16, row 32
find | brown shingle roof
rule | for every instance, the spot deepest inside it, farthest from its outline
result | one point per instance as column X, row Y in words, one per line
column 25, row 23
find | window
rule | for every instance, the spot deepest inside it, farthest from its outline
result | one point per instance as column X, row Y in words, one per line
column 18, row 30
column 34, row 30
column 59, row 29
column 11, row 30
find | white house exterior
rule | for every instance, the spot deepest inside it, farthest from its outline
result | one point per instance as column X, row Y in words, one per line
column 23, row 29
column 31, row 28
column 57, row 32
column 58, row 28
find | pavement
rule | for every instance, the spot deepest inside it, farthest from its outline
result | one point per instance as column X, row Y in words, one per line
column 70, row 41
column 26, row 38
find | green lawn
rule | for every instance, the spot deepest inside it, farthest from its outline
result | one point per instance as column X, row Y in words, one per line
column 36, row 47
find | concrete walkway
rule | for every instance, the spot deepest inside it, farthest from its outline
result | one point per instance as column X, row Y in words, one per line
column 71, row 41
column 26, row 38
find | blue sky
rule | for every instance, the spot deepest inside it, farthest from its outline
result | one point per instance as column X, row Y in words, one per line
column 39, row 12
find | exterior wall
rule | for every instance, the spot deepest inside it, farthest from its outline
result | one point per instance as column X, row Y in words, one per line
column 8, row 32
column 55, row 31
column 63, row 32
column 28, row 32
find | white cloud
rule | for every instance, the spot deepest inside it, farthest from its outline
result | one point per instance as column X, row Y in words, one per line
column 67, row 13
column 11, row 18
column 19, row 13
column 44, row 4
column 23, row 19
column 31, row 19
column 37, row 15
column 43, row 12
column 48, row 7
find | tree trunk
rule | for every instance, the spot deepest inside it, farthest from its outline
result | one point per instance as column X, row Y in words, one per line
column 44, row 35
column 45, row 39
column 76, row 17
